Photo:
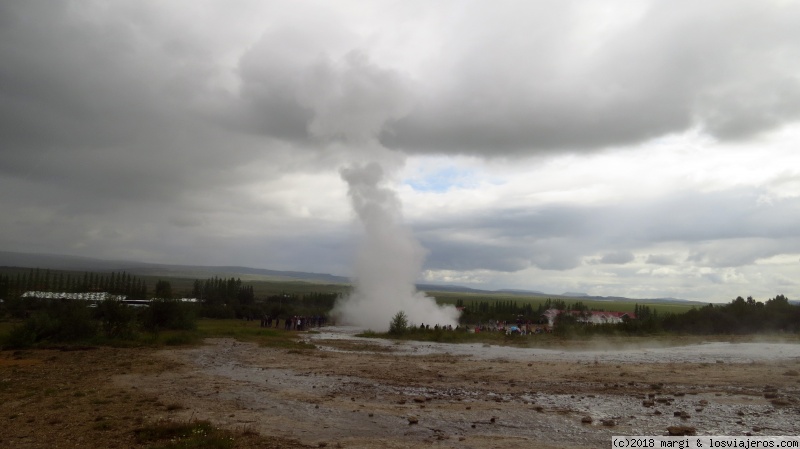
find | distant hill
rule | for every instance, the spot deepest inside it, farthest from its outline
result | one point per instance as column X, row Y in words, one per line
column 520, row 292
column 199, row 271
column 76, row 263
column 62, row 262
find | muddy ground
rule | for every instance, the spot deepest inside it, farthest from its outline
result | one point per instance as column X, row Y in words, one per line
column 359, row 393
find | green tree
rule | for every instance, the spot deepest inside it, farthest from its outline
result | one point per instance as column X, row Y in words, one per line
column 399, row 324
column 116, row 318
column 163, row 289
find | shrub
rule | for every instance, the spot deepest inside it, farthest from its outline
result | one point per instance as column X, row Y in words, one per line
column 117, row 319
column 399, row 324
column 58, row 321
column 169, row 314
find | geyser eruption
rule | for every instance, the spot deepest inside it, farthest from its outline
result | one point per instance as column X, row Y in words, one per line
column 388, row 262
column 352, row 99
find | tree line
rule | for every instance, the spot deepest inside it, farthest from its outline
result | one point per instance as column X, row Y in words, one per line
column 740, row 316
column 508, row 310
column 36, row 279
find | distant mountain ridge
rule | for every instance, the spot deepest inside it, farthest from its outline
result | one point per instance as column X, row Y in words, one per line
column 79, row 263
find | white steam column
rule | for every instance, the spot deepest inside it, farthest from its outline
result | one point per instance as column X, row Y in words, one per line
column 389, row 260
column 352, row 99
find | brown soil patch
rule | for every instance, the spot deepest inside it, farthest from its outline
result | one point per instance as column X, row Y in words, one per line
column 68, row 399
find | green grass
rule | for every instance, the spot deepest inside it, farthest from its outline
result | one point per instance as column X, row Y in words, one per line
column 184, row 435
column 206, row 328
column 251, row 331
column 7, row 325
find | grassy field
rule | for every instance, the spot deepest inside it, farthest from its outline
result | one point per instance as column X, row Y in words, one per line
column 206, row 328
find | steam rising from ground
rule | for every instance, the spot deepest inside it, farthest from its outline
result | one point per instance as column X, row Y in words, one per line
column 389, row 260
column 352, row 99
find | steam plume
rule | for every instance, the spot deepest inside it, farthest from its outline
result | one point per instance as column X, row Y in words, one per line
column 352, row 100
column 389, row 259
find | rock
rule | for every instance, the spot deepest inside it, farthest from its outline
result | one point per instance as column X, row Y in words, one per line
column 770, row 395
column 413, row 420
column 322, row 444
column 780, row 402
column 679, row 431
column 756, row 429
column 419, row 399
column 608, row 422
column 648, row 403
column 587, row 420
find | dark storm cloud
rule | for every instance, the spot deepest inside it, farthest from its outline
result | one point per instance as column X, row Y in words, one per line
column 537, row 84
column 124, row 81
column 110, row 105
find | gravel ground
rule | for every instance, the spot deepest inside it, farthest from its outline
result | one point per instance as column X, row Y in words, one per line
column 359, row 393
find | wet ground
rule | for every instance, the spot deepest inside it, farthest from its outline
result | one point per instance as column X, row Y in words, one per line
column 354, row 392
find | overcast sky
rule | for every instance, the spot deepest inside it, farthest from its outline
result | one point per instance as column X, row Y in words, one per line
column 635, row 148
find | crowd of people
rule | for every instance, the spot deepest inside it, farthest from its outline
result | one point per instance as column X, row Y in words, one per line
column 294, row 323
column 520, row 327
column 301, row 323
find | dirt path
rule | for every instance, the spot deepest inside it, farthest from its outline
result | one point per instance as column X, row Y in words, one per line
column 364, row 394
